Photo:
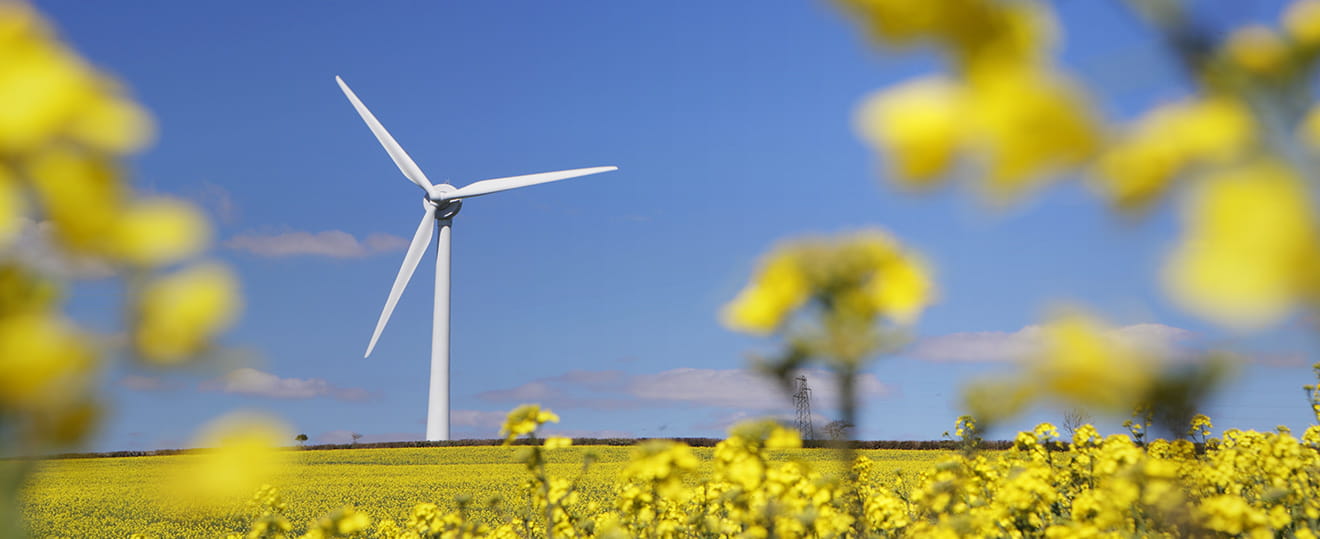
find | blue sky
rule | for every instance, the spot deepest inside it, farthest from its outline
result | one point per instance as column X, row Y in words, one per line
column 598, row 297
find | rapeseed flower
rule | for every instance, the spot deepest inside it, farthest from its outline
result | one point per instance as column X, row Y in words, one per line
column 179, row 314
column 1249, row 253
column 524, row 420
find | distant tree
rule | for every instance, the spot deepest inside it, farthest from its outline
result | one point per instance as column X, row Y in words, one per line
column 838, row 430
column 300, row 438
column 1073, row 419
column 356, row 437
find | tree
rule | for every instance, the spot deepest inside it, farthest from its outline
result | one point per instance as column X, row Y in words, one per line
column 838, row 430
column 356, row 437
column 300, row 438
column 1073, row 419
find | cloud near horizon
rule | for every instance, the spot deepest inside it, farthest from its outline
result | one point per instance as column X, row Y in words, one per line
column 330, row 243
column 249, row 381
column 999, row 346
column 736, row 389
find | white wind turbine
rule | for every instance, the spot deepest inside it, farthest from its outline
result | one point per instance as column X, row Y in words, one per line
column 442, row 202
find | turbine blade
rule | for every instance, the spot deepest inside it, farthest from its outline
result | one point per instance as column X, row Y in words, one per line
column 400, row 157
column 486, row 187
column 418, row 246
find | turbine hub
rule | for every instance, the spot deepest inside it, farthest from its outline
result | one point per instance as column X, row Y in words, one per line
column 437, row 192
column 443, row 210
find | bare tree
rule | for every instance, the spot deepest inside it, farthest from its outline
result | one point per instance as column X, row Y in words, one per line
column 1073, row 419
column 356, row 437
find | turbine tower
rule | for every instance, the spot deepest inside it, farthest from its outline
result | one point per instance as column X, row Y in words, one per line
column 441, row 204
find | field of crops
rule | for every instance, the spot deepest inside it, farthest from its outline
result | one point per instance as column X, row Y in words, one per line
column 116, row 497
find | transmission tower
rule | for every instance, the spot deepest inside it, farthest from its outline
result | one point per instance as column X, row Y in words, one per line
column 802, row 401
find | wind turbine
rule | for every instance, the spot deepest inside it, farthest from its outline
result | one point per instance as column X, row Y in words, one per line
column 441, row 204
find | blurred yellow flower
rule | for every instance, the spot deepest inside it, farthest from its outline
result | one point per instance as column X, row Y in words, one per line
column 860, row 277
column 902, row 288
column 1249, row 249
column 1257, row 49
column 972, row 29
column 1302, row 22
column 1138, row 169
column 35, row 71
column 180, row 313
column 1024, row 122
column 1309, row 129
column 43, row 361
column 241, row 451
column 1028, row 124
column 558, row 442
column 524, row 420
column 901, row 22
column 1080, row 363
column 158, row 231
column 918, row 125
column 81, row 193
column 783, row 438
column 11, row 206
column 778, row 287
column 111, row 124
column 61, row 95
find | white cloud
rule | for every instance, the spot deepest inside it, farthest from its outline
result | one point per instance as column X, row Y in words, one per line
column 35, row 247
column 738, row 388
column 723, row 422
column 1157, row 339
column 218, row 200
column 249, row 381
column 721, row 388
column 330, row 243
column 477, row 418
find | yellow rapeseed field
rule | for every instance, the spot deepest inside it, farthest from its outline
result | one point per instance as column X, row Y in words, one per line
column 117, row 497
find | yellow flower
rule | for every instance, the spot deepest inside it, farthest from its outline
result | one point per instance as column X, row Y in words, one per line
column 858, row 277
column 1249, row 249
column 11, row 206
column 1309, row 129
column 972, row 29
column 158, row 231
column 918, row 125
column 1302, row 22
column 558, row 442
column 1136, row 171
column 112, row 124
column 42, row 361
column 524, row 420
column 902, row 288
column 1027, row 124
column 34, row 70
column 1081, row 364
column 1257, row 49
column 783, row 438
column 179, row 314
column 240, row 453
column 778, row 288
column 81, row 194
